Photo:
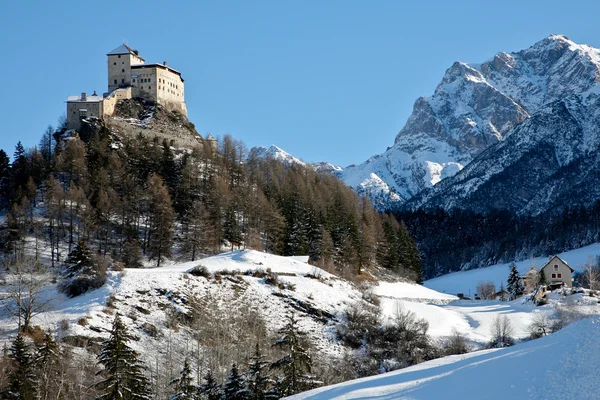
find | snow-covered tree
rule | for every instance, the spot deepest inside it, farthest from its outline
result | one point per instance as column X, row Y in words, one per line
column 46, row 363
column 235, row 386
column 123, row 372
column 210, row 388
column 515, row 285
column 83, row 272
column 184, row 388
column 296, row 364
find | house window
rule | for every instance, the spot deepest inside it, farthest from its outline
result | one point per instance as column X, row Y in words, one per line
column 556, row 267
column 559, row 276
column 553, row 276
column 82, row 113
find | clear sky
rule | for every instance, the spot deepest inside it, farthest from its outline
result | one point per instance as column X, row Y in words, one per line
column 325, row 80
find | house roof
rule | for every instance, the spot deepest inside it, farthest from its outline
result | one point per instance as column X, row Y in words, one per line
column 557, row 257
column 89, row 99
column 123, row 49
column 155, row 65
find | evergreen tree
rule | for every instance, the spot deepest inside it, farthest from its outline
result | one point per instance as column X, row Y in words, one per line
column 84, row 271
column 210, row 389
column 184, row 388
column 4, row 180
column 46, row 360
column 515, row 285
column 258, row 380
column 123, row 372
column 296, row 364
column 235, row 386
column 503, row 292
column 23, row 385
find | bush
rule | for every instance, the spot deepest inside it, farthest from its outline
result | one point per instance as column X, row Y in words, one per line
column 360, row 321
column 456, row 344
column 200, row 270
column 486, row 290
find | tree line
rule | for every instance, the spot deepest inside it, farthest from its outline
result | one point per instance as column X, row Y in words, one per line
column 460, row 239
column 136, row 199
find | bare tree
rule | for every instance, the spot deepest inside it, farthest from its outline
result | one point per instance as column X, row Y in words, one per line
column 486, row 290
column 26, row 291
column 502, row 332
column 591, row 274
column 540, row 325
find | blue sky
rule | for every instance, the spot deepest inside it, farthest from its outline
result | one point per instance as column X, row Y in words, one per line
column 324, row 80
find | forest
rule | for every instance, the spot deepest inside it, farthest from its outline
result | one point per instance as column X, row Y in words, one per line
column 138, row 199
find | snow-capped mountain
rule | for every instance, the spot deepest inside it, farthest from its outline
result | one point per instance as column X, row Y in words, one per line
column 475, row 106
column 274, row 153
column 550, row 161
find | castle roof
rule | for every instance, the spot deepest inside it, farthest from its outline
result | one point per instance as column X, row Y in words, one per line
column 88, row 99
column 124, row 49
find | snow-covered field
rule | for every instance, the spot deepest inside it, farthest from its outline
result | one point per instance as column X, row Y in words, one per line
column 561, row 366
column 466, row 281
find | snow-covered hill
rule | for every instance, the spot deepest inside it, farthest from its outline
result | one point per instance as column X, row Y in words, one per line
column 474, row 107
column 561, row 366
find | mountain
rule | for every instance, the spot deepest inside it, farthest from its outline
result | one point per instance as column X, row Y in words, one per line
column 550, row 161
column 275, row 153
column 474, row 107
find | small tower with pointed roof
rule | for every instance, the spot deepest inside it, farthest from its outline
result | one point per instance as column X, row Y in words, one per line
column 120, row 61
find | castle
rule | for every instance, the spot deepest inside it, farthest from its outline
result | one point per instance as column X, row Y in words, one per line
column 129, row 76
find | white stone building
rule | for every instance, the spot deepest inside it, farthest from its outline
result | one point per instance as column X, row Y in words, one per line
column 129, row 76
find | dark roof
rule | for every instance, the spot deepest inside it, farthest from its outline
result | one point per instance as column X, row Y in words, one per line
column 124, row 49
column 552, row 258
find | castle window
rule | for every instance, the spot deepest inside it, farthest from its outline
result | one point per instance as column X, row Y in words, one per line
column 122, row 80
column 82, row 113
column 123, row 70
column 115, row 81
column 115, row 63
column 149, row 87
column 119, row 56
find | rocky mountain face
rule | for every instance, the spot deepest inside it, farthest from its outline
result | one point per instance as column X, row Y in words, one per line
column 475, row 109
column 549, row 161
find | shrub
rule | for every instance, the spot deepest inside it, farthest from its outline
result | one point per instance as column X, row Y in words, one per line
column 64, row 324
column 82, row 321
column 456, row 344
column 360, row 321
column 200, row 270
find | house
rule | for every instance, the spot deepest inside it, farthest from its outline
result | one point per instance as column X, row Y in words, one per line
column 530, row 280
column 557, row 272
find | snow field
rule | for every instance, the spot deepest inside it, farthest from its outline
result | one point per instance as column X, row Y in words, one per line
column 562, row 366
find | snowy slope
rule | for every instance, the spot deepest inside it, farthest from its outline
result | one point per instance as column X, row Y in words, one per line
column 145, row 296
column 474, row 107
column 561, row 366
column 466, row 281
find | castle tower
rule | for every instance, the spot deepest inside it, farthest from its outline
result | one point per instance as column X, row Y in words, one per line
column 120, row 61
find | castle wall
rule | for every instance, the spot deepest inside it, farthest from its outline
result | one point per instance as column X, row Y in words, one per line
column 110, row 102
column 144, row 81
column 78, row 109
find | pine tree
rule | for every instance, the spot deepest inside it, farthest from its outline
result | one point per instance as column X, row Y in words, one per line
column 235, row 387
column 4, row 180
column 258, row 381
column 296, row 364
column 23, row 385
column 210, row 389
column 184, row 388
column 515, row 285
column 46, row 360
column 84, row 272
column 123, row 372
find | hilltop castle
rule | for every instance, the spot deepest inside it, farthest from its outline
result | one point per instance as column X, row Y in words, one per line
column 129, row 76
